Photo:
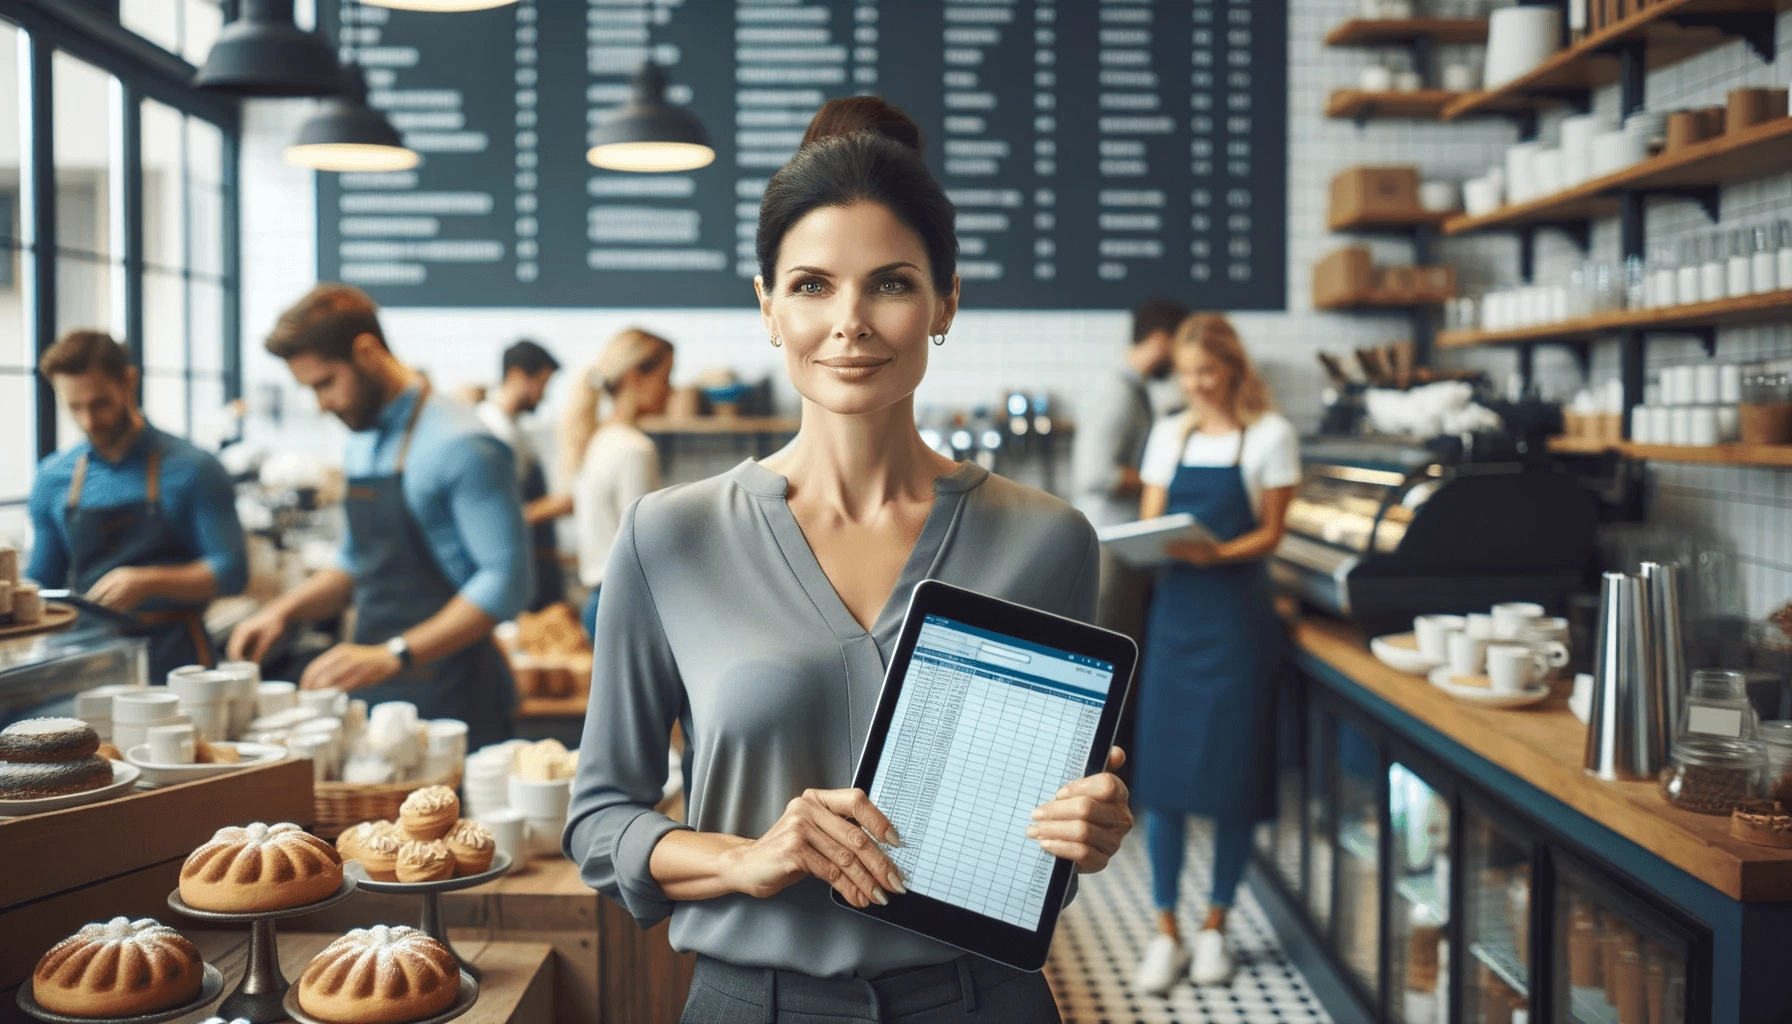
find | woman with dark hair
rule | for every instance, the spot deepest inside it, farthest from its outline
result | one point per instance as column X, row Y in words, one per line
column 758, row 608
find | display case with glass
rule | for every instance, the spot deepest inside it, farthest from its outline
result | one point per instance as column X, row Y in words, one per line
column 1421, row 900
column 39, row 675
column 1279, row 840
column 1613, row 963
column 1496, row 873
column 1320, row 831
column 1358, row 926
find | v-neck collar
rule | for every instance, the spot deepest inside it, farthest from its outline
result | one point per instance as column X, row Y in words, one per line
column 948, row 498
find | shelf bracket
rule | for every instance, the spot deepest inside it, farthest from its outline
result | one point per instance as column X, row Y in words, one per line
column 1583, row 358
column 1756, row 28
column 1706, row 333
column 1581, row 100
column 1709, row 198
column 1527, row 253
column 1527, row 364
column 1525, row 121
column 1580, row 232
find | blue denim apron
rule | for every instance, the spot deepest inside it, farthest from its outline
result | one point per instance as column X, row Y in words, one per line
column 136, row 533
column 1212, row 641
column 399, row 584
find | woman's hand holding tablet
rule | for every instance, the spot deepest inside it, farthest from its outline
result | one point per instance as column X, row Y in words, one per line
column 1087, row 821
column 822, row 833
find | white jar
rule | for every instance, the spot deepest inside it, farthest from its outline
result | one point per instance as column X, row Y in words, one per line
column 1642, row 424
column 1729, row 383
column 1687, row 284
column 1714, row 283
column 1705, row 384
column 1661, row 288
column 1702, row 430
column 1680, row 426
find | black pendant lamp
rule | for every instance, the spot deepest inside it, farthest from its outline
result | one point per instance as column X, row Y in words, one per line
column 647, row 134
column 347, row 135
column 262, row 53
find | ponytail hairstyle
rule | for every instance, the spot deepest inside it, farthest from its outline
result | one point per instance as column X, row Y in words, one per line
column 630, row 349
column 1213, row 334
column 860, row 149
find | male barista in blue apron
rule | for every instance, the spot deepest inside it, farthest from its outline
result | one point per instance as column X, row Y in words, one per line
column 436, row 552
column 527, row 368
column 1206, row 694
column 132, row 518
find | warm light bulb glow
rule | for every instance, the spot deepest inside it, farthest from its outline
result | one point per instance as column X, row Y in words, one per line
column 439, row 5
column 650, row 156
column 340, row 156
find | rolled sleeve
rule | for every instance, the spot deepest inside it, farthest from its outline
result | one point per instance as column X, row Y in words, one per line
column 215, row 529
column 636, row 695
column 488, row 519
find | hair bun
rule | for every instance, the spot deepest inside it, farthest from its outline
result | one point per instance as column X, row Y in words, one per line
column 850, row 115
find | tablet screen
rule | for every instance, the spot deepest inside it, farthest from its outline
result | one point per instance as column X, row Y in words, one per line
column 986, row 728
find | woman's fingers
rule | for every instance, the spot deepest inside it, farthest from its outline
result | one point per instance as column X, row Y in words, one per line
column 1116, row 758
column 1105, row 838
column 1104, row 786
column 854, row 804
column 835, row 865
column 878, row 868
column 1083, row 808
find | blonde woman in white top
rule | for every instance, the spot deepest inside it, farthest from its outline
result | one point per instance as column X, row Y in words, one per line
column 619, row 463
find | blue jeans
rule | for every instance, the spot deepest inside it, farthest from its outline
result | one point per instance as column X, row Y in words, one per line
column 591, row 612
column 1166, row 840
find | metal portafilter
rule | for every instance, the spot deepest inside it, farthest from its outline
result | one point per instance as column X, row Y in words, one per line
column 1661, row 591
column 1624, row 732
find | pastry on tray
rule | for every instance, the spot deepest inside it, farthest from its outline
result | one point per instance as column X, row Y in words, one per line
column 1764, row 822
column 260, row 867
column 425, row 862
column 46, row 740
column 429, row 813
column 352, row 840
column 380, row 975
column 34, row 781
column 118, row 968
column 378, row 853
column 472, row 845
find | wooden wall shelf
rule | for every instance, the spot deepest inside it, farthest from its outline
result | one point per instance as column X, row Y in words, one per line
column 1752, row 153
column 1398, row 31
column 1715, row 455
column 1417, row 105
column 1591, row 63
column 1771, row 307
column 1401, row 222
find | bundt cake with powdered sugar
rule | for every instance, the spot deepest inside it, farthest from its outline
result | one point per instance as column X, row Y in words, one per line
column 380, row 975
column 260, row 867
column 118, row 968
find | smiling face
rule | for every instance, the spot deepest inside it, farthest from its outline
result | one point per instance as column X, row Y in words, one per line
column 1206, row 381
column 853, row 305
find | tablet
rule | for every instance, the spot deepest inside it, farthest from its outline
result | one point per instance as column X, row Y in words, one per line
column 1141, row 544
column 987, row 709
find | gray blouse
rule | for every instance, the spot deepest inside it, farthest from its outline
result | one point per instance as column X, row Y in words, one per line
column 715, row 611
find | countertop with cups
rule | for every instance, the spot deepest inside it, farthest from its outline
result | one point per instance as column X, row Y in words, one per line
column 1543, row 746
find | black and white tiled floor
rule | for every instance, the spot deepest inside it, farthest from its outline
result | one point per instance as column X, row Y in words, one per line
column 1102, row 935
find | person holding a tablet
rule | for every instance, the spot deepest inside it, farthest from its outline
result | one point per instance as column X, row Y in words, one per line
column 759, row 608
column 1213, row 638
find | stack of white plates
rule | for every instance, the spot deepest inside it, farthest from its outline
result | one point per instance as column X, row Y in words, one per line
column 243, row 699
column 205, row 699
column 1519, row 39
column 485, row 787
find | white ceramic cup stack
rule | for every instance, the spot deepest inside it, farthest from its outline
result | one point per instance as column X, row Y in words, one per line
column 1577, row 147
column 509, row 830
column 243, row 698
column 1510, row 619
column 328, row 753
column 1519, row 39
column 485, row 785
column 327, row 700
column 1521, row 181
column 446, row 750
column 133, row 714
column 1479, row 625
column 1468, row 654
column 173, row 744
column 544, row 806
column 203, row 697
column 95, row 706
column 1615, row 150
column 1433, row 634
column 275, row 696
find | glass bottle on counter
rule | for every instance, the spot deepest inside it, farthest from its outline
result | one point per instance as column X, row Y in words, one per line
column 1738, row 270
column 1763, row 273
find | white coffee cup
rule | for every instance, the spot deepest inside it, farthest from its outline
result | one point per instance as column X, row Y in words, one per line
column 1432, row 633
column 542, row 835
column 1468, row 654
column 276, row 695
column 211, row 720
column 155, row 704
column 1376, row 78
column 326, row 700
column 540, row 799
column 1459, row 77
column 1509, row 619
column 507, row 832
column 1512, row 667
column 172, row 744
column 1480, row 625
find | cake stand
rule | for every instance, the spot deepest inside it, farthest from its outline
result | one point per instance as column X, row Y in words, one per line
column 463, row 1001
column 258, row 998
column 209, row 988
column 431, row 892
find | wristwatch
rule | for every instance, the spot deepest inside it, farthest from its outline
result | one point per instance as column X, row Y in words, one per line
column 402, row 651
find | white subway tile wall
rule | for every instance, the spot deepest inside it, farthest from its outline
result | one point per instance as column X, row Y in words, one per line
column 990, row 352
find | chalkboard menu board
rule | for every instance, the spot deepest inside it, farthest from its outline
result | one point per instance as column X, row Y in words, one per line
column 1099, row 151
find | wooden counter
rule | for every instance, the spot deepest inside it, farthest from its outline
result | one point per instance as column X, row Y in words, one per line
column 1543, row 746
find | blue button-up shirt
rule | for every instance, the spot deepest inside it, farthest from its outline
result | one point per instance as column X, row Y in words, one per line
column 196, row 498
column 460, row 484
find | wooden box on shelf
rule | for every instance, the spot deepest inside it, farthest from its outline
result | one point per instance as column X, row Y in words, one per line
column 1374, row 193
column 1348, row 278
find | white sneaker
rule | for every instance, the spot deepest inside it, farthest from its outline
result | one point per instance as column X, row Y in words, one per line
column 1213, row 964
column 1164, row 962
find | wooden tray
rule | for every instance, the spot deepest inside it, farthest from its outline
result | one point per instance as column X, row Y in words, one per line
column 56, row 618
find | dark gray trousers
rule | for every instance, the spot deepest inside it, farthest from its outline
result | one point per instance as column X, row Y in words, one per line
column 967, row 989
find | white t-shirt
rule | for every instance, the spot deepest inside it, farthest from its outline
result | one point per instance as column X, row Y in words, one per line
column 1271, row 456
column 620, row 465
column 511, row 433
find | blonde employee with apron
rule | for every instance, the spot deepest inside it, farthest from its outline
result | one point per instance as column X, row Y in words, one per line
column 1213, row 638
column 436, row 553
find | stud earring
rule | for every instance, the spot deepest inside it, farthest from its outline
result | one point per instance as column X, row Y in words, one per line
column 777, row 342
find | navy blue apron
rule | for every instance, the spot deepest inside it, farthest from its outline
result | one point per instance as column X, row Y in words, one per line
column 550, row 582
column 136, row 533
column 398, row 584
column 1212, row 642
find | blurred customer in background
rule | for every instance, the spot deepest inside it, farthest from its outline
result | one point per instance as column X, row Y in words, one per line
column 526, row 370
column 620, row 463
column 133, row 518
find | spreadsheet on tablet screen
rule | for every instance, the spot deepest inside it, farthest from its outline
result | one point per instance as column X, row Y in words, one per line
column 986, row 728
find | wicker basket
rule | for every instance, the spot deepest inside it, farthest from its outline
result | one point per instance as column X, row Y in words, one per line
column 341, row 804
